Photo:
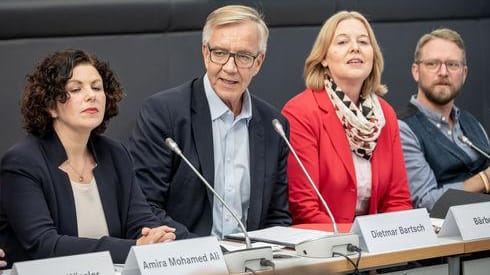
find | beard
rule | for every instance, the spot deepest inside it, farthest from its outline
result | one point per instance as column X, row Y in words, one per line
column 441, row 92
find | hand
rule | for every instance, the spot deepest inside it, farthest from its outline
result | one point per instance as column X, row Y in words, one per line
column 486, row 173
column 475, row 183
column 2, row 254
column 156, row 235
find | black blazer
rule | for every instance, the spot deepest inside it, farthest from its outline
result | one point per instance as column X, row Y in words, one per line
column 37, row 209
column 176, row 195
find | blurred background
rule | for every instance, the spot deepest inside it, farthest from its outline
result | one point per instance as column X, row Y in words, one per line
column 153, row 45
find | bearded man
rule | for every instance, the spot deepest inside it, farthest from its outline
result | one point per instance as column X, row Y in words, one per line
column 432, row 127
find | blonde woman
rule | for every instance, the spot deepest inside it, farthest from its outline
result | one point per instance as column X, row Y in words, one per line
column 345, row 134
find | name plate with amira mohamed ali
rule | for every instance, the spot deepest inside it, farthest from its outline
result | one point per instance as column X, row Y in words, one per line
column 192, row 256
column 394, row 231
column 469, row 221
column 99, row 263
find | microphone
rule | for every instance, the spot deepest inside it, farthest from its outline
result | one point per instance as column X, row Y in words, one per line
column 468, row 142
column 329, row 245
column 278, row 127
column 237, row 261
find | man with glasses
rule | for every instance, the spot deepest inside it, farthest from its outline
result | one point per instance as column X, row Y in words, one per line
column 432, row 127
column 224, row 130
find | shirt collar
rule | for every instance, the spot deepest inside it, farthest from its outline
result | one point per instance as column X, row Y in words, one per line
column 434, row 116
column 218, row 108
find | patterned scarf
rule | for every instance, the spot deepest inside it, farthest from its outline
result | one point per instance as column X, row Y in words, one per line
column 362, row 124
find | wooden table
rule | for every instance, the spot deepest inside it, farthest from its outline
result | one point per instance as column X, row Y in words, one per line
column 369, row 261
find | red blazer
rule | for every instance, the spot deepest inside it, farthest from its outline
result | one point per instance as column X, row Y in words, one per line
column 321, row 143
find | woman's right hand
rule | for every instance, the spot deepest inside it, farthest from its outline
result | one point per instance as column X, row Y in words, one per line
column 156, row 235
column 2, row 254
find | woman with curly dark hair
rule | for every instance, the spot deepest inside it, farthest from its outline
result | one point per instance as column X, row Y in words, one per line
column 66, row 189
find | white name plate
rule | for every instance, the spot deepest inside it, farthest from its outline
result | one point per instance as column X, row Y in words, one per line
column 192, row 256
column 395, row 230
column 469, row 221
column 99, row 263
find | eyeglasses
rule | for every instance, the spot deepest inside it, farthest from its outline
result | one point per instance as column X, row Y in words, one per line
column 221, row 57
column 434, row 65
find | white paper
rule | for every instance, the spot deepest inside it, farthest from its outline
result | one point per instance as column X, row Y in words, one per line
column 232, row 246
column 287, row 236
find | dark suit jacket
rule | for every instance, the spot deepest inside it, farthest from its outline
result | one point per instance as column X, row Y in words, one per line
column 37, row 211
column 175, row 193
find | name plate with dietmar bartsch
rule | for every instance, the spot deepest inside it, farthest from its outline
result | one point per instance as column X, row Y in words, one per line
column 395, row 230
column 469, row 221
column 99, row 263
column 184, row 257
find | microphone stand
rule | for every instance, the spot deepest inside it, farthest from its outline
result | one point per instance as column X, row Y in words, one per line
column 323, row 247
column 466, row 141
column 237, row 260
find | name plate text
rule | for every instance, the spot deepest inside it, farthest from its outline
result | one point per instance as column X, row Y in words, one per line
column 192, row 256
column 99, row 263
column 394, row 231
column 469, row 221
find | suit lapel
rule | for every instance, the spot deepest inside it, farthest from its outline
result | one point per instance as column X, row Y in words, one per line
column 335, row 132
column 202, row 132
column 61, row 183
column 108, row 190
column 257, row 167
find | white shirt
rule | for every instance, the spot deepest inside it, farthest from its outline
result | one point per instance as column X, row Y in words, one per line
column 231, row 161
column 91, row 222
column 364, row 181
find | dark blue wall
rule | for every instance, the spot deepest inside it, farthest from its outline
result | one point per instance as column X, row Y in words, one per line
column 155, row 44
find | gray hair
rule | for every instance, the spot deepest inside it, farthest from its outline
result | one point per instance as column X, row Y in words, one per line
column 234, row 14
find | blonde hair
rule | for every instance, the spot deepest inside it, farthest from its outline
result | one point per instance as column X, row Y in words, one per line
column 314, row 71
column 234, row 14
column 445, row 34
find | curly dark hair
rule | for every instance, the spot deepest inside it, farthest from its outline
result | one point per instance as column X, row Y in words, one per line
column 46, row 86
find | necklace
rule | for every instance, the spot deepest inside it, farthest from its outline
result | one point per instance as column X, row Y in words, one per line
column 80, row 175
